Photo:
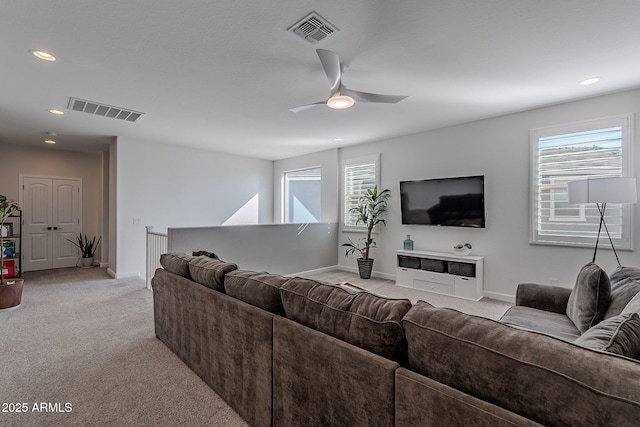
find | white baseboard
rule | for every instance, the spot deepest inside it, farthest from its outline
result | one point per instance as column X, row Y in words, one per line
column 374, row 273
column 121, row 275
column 315, row 271
column 500, row 297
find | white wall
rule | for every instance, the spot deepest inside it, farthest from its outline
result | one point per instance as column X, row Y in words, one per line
column 170, row 186
column 16, row 160
column 330, row 167
column 497, row 148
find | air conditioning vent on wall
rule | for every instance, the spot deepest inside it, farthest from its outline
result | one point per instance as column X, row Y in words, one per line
column 103, row 110
column 313, row 28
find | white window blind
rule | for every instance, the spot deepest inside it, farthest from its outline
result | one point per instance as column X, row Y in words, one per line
column 360, row 174
column 595, row 149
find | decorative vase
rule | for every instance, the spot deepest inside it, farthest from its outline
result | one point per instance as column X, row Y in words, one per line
column 462, row 249
column 87, row 262
column 11, row 293
column 408, row 243
column 365, row 266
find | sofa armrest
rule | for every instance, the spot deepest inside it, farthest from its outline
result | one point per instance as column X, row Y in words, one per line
column 543, row 297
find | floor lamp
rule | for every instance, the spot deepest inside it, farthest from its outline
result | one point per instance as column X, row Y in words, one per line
column 619, row 190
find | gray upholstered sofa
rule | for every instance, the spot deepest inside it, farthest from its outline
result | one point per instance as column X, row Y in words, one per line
column 290, row 352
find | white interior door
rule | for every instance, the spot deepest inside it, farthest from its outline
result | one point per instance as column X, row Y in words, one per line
column 51, row 213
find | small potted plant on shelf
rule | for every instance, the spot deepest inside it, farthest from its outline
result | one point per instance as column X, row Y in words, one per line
column 10, row 287
column 371, row 207
column 87, row 248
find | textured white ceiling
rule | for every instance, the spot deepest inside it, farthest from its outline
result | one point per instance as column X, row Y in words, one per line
column 222, row 75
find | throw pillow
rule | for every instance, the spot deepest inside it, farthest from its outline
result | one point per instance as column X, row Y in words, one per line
column 210, row 272
column 176, row 263
column 625, row 285
column 633, row 306
column 619, row 334
column 589, row 298
column 205, row 253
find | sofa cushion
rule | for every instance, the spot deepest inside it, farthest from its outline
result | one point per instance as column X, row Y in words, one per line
column 363, row 319
column 625, row 285
column 546, row 322
column 210, row 272
column 176, row 263
column 619, row 334
column 259, row 289
column 589, row 298
column 506, row 366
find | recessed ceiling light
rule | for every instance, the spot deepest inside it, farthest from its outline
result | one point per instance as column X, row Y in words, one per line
column 41, row 54
column 337, row 139
column 590, row 81
column 49, row 141
column 56, row 112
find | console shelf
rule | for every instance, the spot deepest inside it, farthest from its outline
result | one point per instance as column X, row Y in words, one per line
column 439, row 272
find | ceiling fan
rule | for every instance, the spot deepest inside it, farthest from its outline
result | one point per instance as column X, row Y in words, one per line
column 341, row 97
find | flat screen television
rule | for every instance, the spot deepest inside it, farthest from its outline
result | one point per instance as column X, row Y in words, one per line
column 455, row 202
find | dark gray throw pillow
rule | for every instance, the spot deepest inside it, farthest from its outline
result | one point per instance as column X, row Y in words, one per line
column 589, row 298
column 205, row 253
column 633, row 306
column 625, row 286
column 619, row 334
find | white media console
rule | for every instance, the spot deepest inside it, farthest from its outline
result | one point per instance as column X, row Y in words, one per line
column 449, row 274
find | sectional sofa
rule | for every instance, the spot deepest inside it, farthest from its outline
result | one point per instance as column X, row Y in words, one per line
column 289, row 351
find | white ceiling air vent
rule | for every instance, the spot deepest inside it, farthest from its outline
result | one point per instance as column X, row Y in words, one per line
column 313, row 28
column 103, row 110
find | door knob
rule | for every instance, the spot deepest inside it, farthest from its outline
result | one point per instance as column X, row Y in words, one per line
column 49, row 228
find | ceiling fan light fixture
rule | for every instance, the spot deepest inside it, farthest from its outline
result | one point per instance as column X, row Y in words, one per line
column 41, row 54
column 340, row 102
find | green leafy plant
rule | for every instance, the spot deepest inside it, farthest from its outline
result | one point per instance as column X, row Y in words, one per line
column 7, row 208
column 86, row 246
column 372, row 205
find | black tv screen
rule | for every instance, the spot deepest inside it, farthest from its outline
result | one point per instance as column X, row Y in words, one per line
column 456, row 202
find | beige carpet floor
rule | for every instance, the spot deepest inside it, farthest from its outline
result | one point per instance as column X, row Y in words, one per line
column 81, row 351
column 83, row 344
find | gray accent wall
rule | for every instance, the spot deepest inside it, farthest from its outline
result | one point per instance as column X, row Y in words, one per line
column 276, row 248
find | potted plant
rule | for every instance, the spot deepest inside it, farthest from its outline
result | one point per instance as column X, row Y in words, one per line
column 10, row 288
column 87, row 248
column 371, row 207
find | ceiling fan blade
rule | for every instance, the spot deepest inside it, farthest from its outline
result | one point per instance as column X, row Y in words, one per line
column 331, row 64
column 304, row 107
column 371, row 97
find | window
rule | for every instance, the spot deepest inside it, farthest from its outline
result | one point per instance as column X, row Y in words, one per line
column 559, row 154
column 301, row 196
column 360, row 174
